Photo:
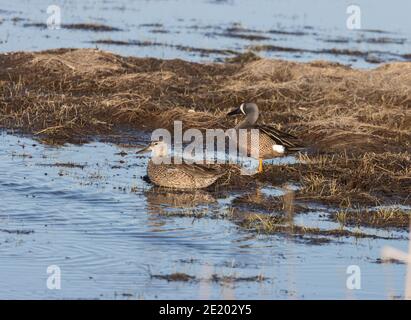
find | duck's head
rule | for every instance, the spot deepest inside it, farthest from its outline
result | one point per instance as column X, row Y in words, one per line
column 158, row 148
column 248, row 109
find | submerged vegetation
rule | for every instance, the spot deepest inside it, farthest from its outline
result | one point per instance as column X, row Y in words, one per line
column 221, row 279
column 270, row 224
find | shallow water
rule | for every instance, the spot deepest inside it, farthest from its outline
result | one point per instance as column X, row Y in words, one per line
column 110, row 233
column 309, row 28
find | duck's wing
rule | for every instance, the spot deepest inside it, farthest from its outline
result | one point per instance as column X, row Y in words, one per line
column 290, row 142
column 198, row 170
column 202, row 170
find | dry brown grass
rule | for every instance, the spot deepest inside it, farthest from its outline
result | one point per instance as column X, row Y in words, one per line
column 390, row 217
column 348, row 180
column 357, row 123
column 67, row 92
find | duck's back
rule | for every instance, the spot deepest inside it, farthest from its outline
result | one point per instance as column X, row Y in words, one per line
column 271, row 143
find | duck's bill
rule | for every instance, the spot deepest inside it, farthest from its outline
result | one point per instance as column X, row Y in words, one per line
column 234, row 112
column 144, row 150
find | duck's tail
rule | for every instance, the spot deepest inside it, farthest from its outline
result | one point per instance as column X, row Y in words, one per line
column 290, row 142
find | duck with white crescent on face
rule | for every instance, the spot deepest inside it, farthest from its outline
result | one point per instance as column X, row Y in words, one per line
column 272, row 142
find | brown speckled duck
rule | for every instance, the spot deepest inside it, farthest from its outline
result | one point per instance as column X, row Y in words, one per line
column 165, row 173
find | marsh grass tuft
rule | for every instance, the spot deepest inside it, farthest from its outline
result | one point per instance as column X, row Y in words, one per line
column 273, row 224
column 348, row 181
column 384, row 217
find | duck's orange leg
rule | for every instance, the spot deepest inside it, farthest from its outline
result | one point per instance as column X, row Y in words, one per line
column 260, row 165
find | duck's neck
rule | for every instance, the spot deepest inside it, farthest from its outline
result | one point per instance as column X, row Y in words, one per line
column 160, row 151
column 248, row 122
column 160, row 160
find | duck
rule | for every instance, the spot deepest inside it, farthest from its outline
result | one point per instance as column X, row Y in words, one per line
column 272, row 142
column 163, row 172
